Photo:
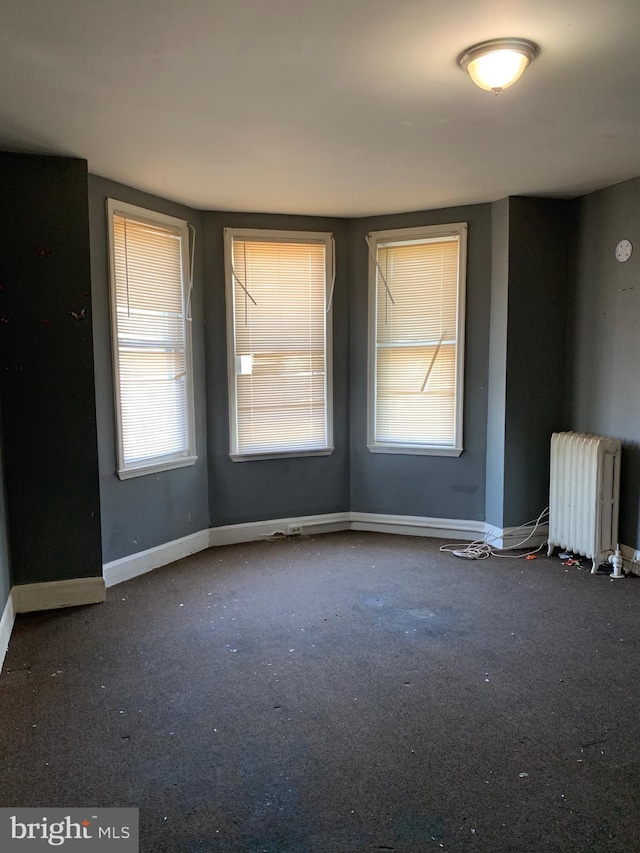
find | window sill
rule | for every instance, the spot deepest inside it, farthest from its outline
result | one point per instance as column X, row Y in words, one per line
column 296, row 454
column 414, row 450
column 156, row 467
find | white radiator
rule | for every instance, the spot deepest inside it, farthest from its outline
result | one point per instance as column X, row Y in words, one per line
column 583, row 495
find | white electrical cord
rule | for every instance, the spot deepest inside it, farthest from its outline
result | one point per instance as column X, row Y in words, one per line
column 481, row 549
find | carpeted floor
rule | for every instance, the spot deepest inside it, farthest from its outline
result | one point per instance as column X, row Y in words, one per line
column 338, row 694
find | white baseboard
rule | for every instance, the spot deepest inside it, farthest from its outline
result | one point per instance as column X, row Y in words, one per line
column 463, row 530
column 415, row 525
column 130, row 567
column 508, row 537
column 454, row 529
column 54, row 594
column 6, row 627
column 629, row 558
column 233, row 534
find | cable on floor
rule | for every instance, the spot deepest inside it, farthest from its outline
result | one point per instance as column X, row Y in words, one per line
column 482, row 549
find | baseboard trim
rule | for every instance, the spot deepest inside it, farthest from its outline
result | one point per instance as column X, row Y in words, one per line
column 54, row 594
column 234, row 534
column 629, row 558
column 415, row 525
column 508, row 537
column 6, row 627
column 142, row 562
column 453, row 529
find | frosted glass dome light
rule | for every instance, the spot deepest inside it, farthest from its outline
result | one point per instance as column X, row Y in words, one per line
column 495, row 65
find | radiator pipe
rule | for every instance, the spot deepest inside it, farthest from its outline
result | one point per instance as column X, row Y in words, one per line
column 616, row 562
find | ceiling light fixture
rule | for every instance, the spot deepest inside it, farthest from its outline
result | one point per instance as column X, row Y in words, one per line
column 497, row 64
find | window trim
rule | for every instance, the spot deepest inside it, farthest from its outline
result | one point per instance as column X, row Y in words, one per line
column 401, row 235
column 275, row 236
column 167, row 462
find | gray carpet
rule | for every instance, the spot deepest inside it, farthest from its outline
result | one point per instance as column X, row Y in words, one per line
column 337, row 694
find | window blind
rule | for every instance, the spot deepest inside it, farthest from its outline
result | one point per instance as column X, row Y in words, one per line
column 416, row 342
column 151, row 352
column 279, row 357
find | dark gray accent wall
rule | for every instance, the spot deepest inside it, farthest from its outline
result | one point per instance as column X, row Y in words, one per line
column 496, row 409
column 272, row 488
column 432, row 486
column 46, row 365
column 540, row 234
column 143, row 512
column 603, row 382
column 5, row 562
column 530, row 244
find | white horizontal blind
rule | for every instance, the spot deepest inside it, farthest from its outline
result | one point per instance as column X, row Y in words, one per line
column 280, row 331
column 151, row 357
column 416, row 342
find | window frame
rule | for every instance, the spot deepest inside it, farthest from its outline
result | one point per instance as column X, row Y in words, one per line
column 400, row 235
column 164, row 462
column 276, row 236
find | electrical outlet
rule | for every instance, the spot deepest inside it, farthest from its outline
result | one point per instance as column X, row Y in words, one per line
column 294, row 529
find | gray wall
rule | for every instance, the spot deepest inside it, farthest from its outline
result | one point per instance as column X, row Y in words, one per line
column 522, row 253
column 5, row 563
column 47, row 381
column 540, row 234
column 436, row 486
column 603, row 382
column 499, row 326
column 143, row 512
column 273, row 488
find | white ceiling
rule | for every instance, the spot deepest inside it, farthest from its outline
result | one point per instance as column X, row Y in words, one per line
column 338, row 107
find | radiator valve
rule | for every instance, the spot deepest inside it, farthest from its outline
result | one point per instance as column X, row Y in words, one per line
column 616, row 562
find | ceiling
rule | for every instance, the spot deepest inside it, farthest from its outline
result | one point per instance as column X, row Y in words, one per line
column 337, row 107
